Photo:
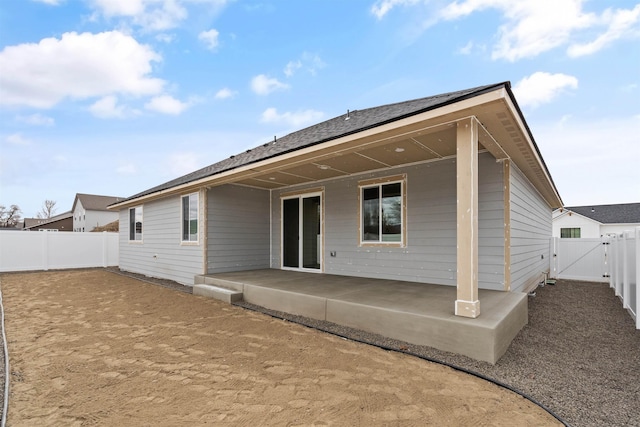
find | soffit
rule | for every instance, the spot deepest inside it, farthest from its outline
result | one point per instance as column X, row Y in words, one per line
column 500, row 132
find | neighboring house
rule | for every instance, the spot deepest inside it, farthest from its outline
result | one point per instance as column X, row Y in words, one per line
column 90, row 211
column 61, row 222
column 449, row 190
column 595, row 221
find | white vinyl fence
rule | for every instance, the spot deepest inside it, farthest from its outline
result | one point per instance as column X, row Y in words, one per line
column 625, row 270
column 613, row 259
column 42, row 250
column 585, row 259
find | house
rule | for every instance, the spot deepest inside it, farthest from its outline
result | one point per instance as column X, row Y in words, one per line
column 90, row 211
column 448, row 190
column 61, row 222
column 594, row 221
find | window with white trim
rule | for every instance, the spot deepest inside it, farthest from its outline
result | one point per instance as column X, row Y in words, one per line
column 569, row 233
column 382, row 213
column 135, row 223
column 190, row 218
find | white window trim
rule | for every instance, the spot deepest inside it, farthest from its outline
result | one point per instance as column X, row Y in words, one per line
column 402, row 179
column 189, row 242
column 135, row 242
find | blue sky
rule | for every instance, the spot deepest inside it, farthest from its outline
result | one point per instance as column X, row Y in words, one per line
column 113, row 97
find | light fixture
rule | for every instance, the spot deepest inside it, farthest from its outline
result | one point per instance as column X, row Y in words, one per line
column 324, row 167
column 399, row 149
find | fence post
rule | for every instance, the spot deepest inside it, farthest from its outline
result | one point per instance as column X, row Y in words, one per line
column 105, row 249
column 625, row 272
column 637, row 260
column 617, row 266
column 45, row 250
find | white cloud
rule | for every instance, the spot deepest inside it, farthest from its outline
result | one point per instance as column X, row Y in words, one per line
column 165, row 37
column 619, row 23
column 108, row 108
column 530, row 28
column 210, row 38
column 166, row 104
column 540, row 88
column 154, row 15
column 296, row 120
column 466, row 49
column 225, row 93
column 264, row 85
column 76, row 66
column 291, row 68
column 381, row 7
column 36, row 120
column 150, row 15
column 310, row 62
column 50, row 2
column 17, row 139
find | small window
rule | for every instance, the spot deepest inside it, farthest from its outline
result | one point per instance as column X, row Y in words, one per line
column 135, row 223
column 382, row 213
column 570, row 233
column 190, row 218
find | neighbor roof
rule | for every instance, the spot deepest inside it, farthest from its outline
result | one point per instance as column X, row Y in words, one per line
column 627, row 213
column 93, row 202
column 344, row 125
column 37, row 222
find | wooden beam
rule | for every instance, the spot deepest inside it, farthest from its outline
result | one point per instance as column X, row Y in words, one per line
column 506, row 177
column 467, row 303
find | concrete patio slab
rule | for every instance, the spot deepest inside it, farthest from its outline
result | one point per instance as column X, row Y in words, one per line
column 414, row 312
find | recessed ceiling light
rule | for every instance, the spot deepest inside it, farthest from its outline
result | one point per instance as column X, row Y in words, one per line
column 399, row 149
column 272, row 178
column 323, row 167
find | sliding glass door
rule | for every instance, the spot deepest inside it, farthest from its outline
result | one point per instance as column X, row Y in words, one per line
column 302, row 232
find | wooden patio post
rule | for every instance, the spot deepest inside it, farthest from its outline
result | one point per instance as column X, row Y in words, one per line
column 467, row 303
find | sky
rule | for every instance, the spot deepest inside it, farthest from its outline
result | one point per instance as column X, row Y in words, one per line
column 113, row 97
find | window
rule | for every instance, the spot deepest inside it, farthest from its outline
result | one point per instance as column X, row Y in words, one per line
column 190, row 218
column 382, row 213
column 135, row 223
column 569, row 232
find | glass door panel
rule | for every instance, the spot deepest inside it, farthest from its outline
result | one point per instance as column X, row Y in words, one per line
column 301, row 232
column 311, row 232
column 290, row 229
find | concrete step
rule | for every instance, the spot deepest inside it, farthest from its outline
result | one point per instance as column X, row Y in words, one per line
column 223, row 294
column 221, row 283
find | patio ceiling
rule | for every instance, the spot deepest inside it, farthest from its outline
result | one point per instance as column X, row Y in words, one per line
column 501, row 132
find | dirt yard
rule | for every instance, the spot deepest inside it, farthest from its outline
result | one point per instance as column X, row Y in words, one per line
column 91, row 347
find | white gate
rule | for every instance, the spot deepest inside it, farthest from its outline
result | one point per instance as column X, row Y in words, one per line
column 580, row 259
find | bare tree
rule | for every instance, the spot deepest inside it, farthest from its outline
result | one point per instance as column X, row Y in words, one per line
column 48, row 209
column 9, row 217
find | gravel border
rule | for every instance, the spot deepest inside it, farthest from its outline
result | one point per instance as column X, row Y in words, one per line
column 579, row 355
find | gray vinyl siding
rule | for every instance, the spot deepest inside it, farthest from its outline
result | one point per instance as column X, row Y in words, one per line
column 430, row 254
column 238, row 229
column 161, row 253
column 531, row 230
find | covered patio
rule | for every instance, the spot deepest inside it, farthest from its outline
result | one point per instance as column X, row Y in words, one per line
column 414, row 312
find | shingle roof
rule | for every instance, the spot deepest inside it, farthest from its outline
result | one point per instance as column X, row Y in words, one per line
column 93, row 202
column 36, row 222
column 627, row 213
column 359, row 120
